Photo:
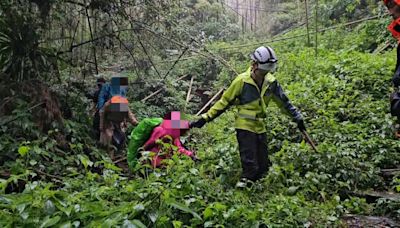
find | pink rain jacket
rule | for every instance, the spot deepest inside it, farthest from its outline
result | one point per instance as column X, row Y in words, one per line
column 159, row 133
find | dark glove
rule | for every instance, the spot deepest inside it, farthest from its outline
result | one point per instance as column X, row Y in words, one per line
column 300, row 124
column 197, row 124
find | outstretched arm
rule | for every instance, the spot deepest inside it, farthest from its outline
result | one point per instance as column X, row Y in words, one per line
column 181, row 149
column 132, row 119
column 279, row 97
column 228, row 97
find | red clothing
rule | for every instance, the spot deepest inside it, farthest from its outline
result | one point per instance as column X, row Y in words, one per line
column 161, row 132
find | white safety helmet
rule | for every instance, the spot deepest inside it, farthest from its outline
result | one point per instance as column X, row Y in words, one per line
column 266, row 58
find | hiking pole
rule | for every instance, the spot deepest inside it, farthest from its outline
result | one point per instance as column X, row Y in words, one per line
column 309, row 140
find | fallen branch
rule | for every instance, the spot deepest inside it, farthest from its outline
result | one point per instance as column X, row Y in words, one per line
column 119, row 160
column 379, row 50
column 56, row 178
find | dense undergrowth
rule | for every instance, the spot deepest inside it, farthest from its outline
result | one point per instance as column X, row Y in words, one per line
column 343, row 95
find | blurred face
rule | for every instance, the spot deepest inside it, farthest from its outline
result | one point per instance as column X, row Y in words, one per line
column 99, row 85
column 121, row 82
column 175, row 123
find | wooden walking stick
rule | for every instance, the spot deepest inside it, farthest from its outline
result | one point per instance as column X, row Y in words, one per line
column 309, row 140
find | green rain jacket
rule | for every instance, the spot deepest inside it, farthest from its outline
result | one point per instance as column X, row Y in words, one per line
column 252, row 102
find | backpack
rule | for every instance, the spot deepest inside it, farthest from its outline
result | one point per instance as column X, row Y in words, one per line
column 395, row 104
column 118, row 109
column 139, row 136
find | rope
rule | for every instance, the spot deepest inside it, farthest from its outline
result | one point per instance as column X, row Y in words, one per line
column 304, row 34
column 282, row 39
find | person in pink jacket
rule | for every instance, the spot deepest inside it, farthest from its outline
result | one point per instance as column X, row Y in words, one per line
column 169, row 131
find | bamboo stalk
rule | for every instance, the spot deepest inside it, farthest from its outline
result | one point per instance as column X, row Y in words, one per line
column 152, row 95
column 307, row 25
column 120, row 160
column 190, row 89
column 316, row 28
column 210, row 101
column 91, row 37
column 159, row 90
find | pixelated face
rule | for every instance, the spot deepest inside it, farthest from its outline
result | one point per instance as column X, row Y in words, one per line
column 121, row 82
column 118, row 107
column 176, row 122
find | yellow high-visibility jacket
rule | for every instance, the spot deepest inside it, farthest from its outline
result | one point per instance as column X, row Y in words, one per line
column 252, row 102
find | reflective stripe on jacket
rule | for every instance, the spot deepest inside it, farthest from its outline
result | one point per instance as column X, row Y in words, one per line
column 252, row 102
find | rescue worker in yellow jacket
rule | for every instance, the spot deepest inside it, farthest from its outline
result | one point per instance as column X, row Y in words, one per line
column 251, row 92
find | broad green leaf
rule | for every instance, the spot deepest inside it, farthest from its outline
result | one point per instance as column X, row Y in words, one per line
column 25, row 215
column 332, row 218
column 209, row 224
column 177, row 224
column 292, row 190
column 139, row 207
column 5, row 200
column 76, row 223
column 128, row 224
column 85, row 161
column 21, row 208
column 32, row 162
column 153, row 216
column 50, row 221
column 207, row 213
column 220, row 206
column 185, row 209
column 23, row 150
column 110, row 222
column 3, row 186
column 49, row 207
column 138, row 224
column 66, row 225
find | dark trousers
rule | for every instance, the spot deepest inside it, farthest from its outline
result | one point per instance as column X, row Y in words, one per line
column 96, row 125
column 253, row 154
